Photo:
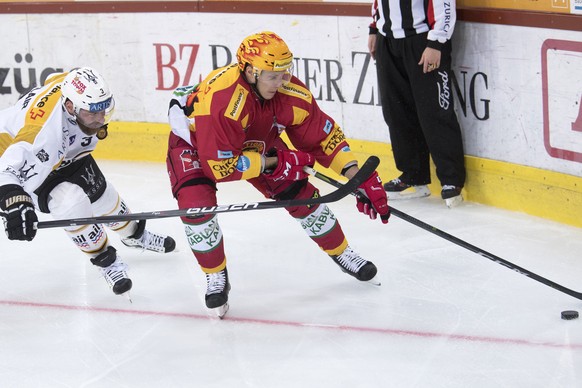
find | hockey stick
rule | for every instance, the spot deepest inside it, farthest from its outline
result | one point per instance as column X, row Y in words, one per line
column 365, row 171
column 461, row 243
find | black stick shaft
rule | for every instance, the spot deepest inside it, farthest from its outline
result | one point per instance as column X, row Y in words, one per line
column 464, row 244
column 365, row 171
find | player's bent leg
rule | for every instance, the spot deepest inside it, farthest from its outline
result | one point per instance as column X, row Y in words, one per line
column 114, row 270
column 323, row 228
column 67, row 200
column 206, row 241
column 192, row 188
column 133, row 233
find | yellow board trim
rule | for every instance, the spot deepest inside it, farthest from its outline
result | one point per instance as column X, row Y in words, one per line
column 551, row 195
column 134, row 141
column 554, row 6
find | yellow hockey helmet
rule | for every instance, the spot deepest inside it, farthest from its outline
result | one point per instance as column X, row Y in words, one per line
column 265, row 51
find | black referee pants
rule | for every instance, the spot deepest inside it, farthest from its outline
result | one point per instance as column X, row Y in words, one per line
column 419, row 111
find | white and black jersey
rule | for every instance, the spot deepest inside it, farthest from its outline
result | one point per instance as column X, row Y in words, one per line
column 38, row 136
column 404, row 18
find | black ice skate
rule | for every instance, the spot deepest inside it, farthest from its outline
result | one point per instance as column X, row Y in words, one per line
column 353, row 264
column 113, row 270
column 217, row 289
column 143, row 239
column 396, row 189
column 452, row 195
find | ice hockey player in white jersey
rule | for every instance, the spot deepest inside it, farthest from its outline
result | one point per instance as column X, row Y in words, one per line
column 46, row 141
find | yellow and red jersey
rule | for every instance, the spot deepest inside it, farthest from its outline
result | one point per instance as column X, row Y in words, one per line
column 230, row 126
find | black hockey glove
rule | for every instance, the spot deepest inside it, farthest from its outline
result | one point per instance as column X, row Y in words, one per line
column 17, row 212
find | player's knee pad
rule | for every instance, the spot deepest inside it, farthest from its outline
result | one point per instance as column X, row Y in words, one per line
column 111, row 203
column 68, row 200
column 305, row 191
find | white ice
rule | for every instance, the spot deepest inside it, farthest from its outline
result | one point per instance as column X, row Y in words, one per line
column 443, row 317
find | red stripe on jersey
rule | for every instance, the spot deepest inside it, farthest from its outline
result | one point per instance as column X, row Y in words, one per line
column 430, row 14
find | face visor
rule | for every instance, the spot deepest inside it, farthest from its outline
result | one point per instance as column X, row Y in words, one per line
column 274, row 77
column 95, row 115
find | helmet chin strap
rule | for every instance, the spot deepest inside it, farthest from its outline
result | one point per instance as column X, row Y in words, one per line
column 253, row 85
column 100, row 132
column 255, row 89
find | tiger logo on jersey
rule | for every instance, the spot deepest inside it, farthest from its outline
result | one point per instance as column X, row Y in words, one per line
column 189, row 160
column 254, row 146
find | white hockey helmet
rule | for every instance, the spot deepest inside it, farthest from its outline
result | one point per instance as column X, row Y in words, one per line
column 87, row 90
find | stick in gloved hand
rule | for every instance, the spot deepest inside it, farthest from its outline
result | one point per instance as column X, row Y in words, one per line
column 374, row 201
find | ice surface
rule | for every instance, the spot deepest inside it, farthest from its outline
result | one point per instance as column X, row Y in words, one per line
column 443, row 317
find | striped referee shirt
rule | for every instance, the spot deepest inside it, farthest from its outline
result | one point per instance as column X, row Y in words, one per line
column 403, row 18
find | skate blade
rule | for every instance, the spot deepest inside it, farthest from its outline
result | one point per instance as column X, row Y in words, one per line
column 221, row 311
column 410, row 193
column 454, row 201
column 128, row 296
column 374, row 281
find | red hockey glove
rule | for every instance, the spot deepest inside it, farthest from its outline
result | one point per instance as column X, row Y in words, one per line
column 290, row 165
column 17, row 212
column 372, row 199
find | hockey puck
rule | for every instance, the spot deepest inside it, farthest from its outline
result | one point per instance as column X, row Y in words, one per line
column 569, row 314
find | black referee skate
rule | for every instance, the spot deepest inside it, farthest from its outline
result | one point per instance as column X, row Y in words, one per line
column 452, row 195
column 217, row 289
column 353, row 264
column 114, row 270
column 144, row 239
column 397, row 189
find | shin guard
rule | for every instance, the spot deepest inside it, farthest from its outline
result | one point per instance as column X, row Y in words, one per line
column 205, row 239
